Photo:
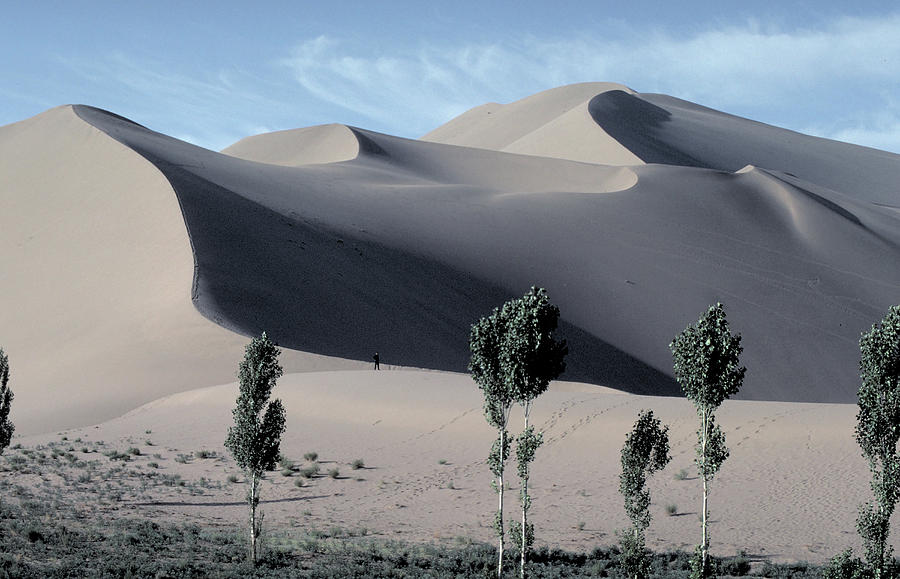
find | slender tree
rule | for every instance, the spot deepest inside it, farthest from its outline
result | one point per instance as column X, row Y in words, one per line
column 255, row 438
column 484, row 343
column 530, row 358
column 646, row 451
column 877, row 432
column 6, row 397
column 706, row 362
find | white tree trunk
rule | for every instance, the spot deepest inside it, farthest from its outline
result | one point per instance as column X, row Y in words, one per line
column 704, row 546
column 524, row 491
column 500, row 506
column 254, row 489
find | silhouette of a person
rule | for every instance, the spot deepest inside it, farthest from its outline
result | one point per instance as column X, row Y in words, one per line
column 375, row 357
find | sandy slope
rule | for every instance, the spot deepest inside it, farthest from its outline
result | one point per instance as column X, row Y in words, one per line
column 96, row 280
column 341, row 242
column 789, row 490
column 400, row 248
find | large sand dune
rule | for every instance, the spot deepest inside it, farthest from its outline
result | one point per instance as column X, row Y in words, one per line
column 341, row 242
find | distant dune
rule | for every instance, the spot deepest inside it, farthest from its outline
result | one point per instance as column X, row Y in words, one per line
column 635, row 211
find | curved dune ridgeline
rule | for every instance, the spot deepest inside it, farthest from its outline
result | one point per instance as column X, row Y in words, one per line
column 635, row 211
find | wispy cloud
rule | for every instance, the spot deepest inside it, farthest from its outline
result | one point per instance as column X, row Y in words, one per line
column 834, row 75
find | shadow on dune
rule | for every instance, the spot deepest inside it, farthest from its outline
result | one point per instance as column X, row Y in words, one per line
column 319, row 291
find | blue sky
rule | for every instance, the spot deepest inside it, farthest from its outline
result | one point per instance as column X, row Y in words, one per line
column 211, row 73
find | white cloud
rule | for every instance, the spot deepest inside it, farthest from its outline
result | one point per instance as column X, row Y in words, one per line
column 786, row 77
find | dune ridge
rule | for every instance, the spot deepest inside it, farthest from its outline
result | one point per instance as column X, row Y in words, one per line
column 341, row 241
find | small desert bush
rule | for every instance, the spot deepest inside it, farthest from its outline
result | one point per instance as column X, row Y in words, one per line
column 298, row 482
column 134, row 451
column 311, row 456
column 232, row 478
column 681, row 474
column 357, row 464
column 202, row 453
column 334, row 473
column 309, row 471
column 671, row 509
column 183, row 458
column 287, row 472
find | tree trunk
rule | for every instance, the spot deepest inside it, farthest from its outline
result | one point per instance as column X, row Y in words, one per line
column 704, row 546
column 254, row 484
column 524, row 548
column 500, row 506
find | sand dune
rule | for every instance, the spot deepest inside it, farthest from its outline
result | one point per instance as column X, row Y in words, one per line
column 341, row 241
column 311, row 145
column 97, row 271
column 789, row 490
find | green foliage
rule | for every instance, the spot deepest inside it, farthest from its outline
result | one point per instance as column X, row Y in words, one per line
column 706, row 357
column 6, row 398
column 645, row 452
column 254, row 440
column 514, row 358
column 530, row 358
column 845, row 566
column 877, row 432
column 711, row 456
column 707, row 366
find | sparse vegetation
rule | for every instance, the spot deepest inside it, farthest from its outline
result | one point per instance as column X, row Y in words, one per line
column 358, row 464
column 681, row 474
column 311, row 456
column 310, row 471
column 334, row 473
column 671, row 509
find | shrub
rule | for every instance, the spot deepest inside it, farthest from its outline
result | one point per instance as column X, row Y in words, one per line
column 183, row 458
column 671, row 510
column 310, row 471
column 286, row 472
column 357, row 464
column 334, row 473
column 681, row 475
column 298, row 482
column 311, row 456
column 134, row 451
column 232, row 478
column 205, row 454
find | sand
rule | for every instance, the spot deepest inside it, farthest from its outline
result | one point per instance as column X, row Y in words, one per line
column 136, row 266
column 788, row 492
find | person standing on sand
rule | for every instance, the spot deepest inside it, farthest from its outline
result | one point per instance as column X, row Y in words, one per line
column 375, row 357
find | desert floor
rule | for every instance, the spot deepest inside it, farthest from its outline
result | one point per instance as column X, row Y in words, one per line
column 788, row 492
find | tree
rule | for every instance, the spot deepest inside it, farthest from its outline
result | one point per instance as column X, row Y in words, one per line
column 530, row 358
column 6, row 398
column 254, row 440
column 646, row 451
column 877, row 432
column 484, row 343
column 706, row 357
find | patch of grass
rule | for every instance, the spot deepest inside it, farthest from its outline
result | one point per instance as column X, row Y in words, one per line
column 183, row 458
column 134, row 451
column 310, row 471
column 681, row 474
column 153, row 464
column 203, row 453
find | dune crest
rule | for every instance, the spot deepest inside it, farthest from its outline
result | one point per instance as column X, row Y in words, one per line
column 553, row 123
column 308, row 146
